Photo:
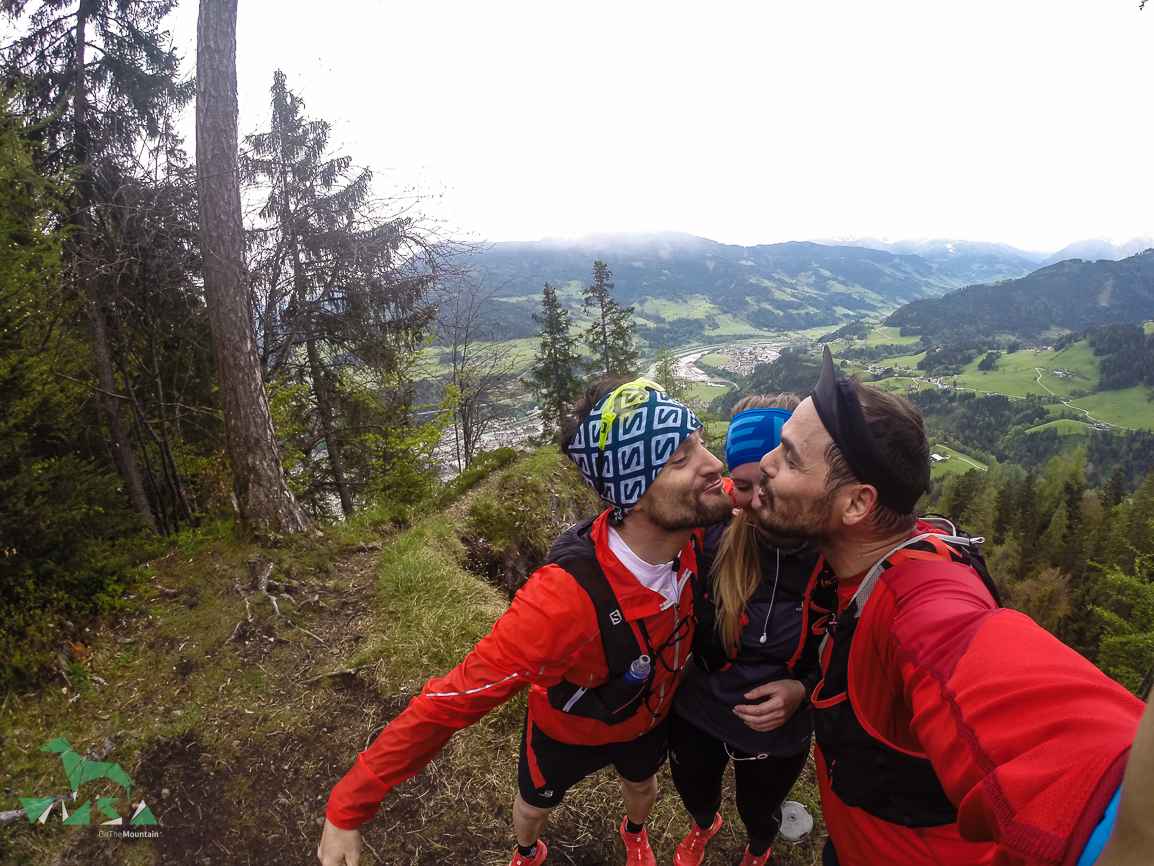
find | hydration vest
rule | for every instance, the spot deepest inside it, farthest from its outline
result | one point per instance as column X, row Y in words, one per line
column 618, row 699
column 892, row 784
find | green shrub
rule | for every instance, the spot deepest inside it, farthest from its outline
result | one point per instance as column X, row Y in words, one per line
column 531, row 503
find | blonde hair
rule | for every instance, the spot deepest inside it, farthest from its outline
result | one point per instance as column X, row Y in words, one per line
column 737, row 568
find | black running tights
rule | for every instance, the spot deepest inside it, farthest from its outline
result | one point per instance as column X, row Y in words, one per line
column 697, row 761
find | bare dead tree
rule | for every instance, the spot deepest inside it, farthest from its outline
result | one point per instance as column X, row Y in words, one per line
column 482, row 370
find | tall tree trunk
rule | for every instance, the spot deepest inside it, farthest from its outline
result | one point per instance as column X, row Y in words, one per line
column 85, row 262
column 262, row 492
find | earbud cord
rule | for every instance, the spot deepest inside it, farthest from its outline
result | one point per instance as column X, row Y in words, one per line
column 773, row 596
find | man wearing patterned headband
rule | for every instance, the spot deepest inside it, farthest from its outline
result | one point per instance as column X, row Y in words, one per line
column 642, row 452
column 949, row 730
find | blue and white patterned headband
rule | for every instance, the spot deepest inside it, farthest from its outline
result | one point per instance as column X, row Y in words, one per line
column 627, row 438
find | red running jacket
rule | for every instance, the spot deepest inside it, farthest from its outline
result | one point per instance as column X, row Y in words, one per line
column 549, row 633
column 1027, row 737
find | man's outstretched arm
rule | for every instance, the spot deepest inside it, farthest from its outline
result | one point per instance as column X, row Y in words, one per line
column 1132, row 842
column 528, row 643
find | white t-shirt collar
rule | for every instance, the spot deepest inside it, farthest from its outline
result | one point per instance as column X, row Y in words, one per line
column 662, row 579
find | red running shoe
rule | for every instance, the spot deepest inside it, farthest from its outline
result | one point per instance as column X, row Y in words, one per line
column 691, row 851
column 518, row 860
column 765, row 859
column 637, row 850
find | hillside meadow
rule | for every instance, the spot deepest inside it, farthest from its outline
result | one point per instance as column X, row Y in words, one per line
column 1068, row 375
column 958, row 463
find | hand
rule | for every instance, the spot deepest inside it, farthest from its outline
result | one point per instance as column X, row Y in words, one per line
column 339, row 847
column 784, row 697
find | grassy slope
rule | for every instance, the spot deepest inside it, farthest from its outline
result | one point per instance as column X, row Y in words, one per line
column 1064, row 426
column 880, row 336
column 235, row 743
column 959, row 463
column 1127, row 408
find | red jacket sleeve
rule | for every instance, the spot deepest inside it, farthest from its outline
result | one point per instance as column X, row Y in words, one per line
column 548, row 621
column 1026, row 735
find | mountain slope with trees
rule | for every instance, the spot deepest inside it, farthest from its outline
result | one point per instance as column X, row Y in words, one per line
column 1071, row 296
column 791, row 285
column 971, row 261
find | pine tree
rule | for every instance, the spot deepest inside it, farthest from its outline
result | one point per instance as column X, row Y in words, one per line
column 305, row 203
column 341, row 298
column 1115, row 488
column 56, row 507
column 610, row 336
column 1126, row 652
column 553, row 376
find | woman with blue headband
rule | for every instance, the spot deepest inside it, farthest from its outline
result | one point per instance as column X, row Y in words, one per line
column 770, row 596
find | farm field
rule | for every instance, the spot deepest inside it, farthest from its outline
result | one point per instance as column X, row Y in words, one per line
column 433, row 364
column 1016, row 375
column 1064, row 426
column 910, row 361
column 958, row 463
column 694, row 307
column 1127, row 408
column 729, row 326
column 901, row 384
column 880, row 336
column 715, row 359
column 705, row 393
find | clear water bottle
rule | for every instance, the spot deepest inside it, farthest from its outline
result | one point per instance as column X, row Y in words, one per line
column 639, row 670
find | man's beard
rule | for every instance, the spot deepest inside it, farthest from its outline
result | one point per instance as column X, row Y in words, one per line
column 808, row 523
column 692, row 512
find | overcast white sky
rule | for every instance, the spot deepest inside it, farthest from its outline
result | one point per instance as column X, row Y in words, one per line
column 1021, row 121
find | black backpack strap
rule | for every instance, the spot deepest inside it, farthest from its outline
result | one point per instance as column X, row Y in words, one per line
column 971, row 547
column 617, row 636
column 574, row 543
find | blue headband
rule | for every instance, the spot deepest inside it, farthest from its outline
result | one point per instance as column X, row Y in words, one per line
column 643, row 427
column 753, row 434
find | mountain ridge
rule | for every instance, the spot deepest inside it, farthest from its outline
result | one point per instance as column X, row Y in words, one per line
column 797, row 284
column 1070, row 295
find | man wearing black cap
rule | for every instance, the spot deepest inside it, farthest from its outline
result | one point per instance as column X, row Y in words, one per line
column 642, row 452
column 949, row 730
